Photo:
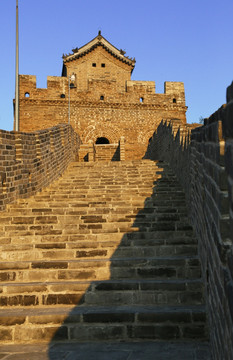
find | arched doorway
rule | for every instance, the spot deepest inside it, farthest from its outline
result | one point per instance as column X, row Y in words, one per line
column 102, row 140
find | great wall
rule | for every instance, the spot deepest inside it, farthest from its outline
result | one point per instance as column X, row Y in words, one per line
column 134, row 249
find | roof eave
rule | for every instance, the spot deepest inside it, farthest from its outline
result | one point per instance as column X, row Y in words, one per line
column 98, row 41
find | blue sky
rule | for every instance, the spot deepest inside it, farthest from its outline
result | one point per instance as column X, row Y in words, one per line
column 182, row 40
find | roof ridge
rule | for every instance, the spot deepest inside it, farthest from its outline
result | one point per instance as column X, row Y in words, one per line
column 99, row 40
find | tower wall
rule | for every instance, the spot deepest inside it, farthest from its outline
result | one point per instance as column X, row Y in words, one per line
column 102, row 101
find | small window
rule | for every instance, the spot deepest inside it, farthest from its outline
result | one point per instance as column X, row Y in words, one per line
column 94, row 64
column 101, row 97
column 141, row 99
column 102, row 65
column 174, row 101
column 27, row 95
column 63, row 96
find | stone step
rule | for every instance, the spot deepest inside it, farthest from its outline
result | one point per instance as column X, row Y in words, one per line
column 113, row 241
column 111, row 186
column 121, row 227
column 144, row 297
column 110, row 292
column 97, row 269
column 51, row 251
column 70, row 201
column 46, row 234
column 120, row 178
column 104, row 168
column 113, row 182
column 102, row 217
column 71, row 209
column 103, row 324
column 102, row 191
column 56, row 227
column 47, row 247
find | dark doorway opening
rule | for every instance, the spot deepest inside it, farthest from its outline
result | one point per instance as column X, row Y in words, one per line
column 102, row 140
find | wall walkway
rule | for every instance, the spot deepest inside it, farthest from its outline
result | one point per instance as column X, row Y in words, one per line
column 202, row 161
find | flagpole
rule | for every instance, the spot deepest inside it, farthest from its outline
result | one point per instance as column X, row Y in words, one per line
column 17, row 70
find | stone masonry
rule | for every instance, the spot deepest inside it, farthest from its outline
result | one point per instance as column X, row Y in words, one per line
column 203, row 163
column 131, row 250
column 104, row 102
column 31, row 161
column 105, row 253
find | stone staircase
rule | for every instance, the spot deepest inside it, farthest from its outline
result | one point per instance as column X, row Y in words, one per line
column 105, row 253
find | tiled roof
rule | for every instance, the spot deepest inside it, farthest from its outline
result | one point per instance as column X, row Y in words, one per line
column 99, row 40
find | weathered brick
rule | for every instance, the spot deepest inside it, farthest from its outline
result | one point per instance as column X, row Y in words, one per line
column 7, row 276
column 154, row 332
column 108, row 317
column 65, row 299
column 11, row 320
column 115, row 99
column 50, row 265
column 194, row 332
column 6, row 334
column 91, row 253
column 175, row 317
column 67, row 275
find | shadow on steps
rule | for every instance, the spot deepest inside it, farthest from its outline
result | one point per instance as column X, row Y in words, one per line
column 151, row 287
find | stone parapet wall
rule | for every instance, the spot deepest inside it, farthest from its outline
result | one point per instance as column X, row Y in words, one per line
column 109, row 152
column 134, row 113
column 102, row 102
column 209, row 211
column 203, row 162
column 96, row 95
column 102, row 152
column 31, row 161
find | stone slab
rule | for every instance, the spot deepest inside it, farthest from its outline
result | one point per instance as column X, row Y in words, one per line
column 106, row 351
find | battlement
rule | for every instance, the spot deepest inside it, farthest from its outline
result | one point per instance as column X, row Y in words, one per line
column 203, row 161
column 102, row 98
column 56, row 86
column 172, row 87
column 143, row 87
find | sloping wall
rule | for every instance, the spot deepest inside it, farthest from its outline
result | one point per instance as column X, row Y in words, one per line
column 31, row 161
column 203, row 162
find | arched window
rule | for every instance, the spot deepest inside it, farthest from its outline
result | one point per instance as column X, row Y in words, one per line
column 174, row 101
column 102, row 140
column 27, row 95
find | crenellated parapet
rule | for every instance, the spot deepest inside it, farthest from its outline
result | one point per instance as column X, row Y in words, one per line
column 203, row 162
column 101, row 96
column 56, row 86
column 143, row 87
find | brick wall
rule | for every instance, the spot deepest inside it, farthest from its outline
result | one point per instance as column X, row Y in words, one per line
column 119, row 114
column 102, row 152
column 203, row 162
column 110, row 152
column 104, row 101
column 31, row 161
